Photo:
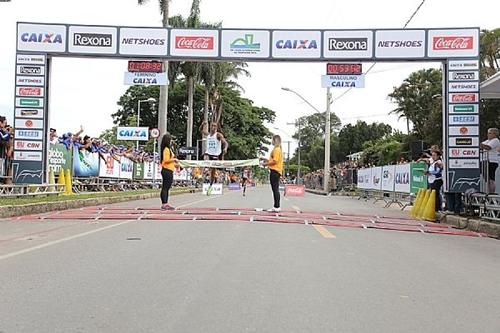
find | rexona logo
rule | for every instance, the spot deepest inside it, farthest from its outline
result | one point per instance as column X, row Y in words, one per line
column 92, row 39
column 297, row 44
column 31, row 70
column 245, row 45
column 348, row 44
column 48, row 38
column 452, row 43
column 194, row 43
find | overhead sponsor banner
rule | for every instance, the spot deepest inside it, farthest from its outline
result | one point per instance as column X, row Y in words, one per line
column 418, row 178
column 215, row 189
column 296, row 44
column 30, row 59
column 143, row 41
column 343, row 81
column 463, row 86
column 400, row 43
column 464, row 120
column 364, row 178
column 93, row 40
column 218, row 164
column 29, row 102
column 194, row 43
column 27, row 155
column 31, row 70
column 29, row 113
column 463, row 152
column 85, row 163
column 59, row 158
column 29, row 91
column 463, row 163
column 454, row 65
column 30, row 80
column 138, row 78
column 388, row 178
column 453, row 43
column 463, row 97
column 28, row 134
column 463, row 130
column 41, row 37
column 28, row 123
column 28, row 145
column 464, row 141
column 402, row 178
column 110, row 168
column 376, row 178
column 463, row 76
column 132, row 133
column 348, row 44
column 245, row 43
column 126, row 168
column 463, row 108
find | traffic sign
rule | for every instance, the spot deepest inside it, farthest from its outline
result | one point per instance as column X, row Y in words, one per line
column 343, row 81
column 155, row 133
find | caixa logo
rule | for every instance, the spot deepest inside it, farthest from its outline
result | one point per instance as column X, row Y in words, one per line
column 48, row 38
column 297, row 44
column 132, row 134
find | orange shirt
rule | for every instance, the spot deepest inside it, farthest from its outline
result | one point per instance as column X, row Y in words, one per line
column 168, row 155
column 276, row 156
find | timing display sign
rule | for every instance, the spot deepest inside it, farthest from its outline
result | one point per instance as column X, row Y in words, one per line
column 344, row 69
column 145, row 66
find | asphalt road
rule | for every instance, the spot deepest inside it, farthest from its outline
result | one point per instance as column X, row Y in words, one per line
column 227, row 276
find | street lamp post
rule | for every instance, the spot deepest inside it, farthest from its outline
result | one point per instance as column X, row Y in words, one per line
column 149, row 100
column 326, row 171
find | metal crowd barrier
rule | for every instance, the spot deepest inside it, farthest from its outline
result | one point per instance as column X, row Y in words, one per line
column 484, row 205
column 12, row 190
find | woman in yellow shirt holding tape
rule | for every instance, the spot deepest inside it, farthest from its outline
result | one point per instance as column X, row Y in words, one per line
column 275, row 164
column 168, row 162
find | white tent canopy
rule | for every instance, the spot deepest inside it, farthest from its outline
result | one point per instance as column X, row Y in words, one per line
column 490, row 88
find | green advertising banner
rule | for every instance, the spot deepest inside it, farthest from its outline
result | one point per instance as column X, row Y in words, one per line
column 418, row 177
column 59, row 158
column 138, row 170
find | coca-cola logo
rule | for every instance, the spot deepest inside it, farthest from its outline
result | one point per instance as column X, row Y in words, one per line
column 194, row 43
column 463, row 98
column 295, row 190
column 453, row 43
column 30, row 91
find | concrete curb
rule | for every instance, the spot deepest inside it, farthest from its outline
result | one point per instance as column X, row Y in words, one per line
column 492, row 229
column 319, row 192
column 44, row 207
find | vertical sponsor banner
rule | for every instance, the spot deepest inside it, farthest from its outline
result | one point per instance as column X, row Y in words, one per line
column 148, row 170
column 461, row 120
column 418, row 177
column 85, row 163
column 109, row 168
column 138, row 171
column 126, row 168
column 60, row 158
column 376, row 178
column 388, row 178
column 402, row 178
column 30, row 163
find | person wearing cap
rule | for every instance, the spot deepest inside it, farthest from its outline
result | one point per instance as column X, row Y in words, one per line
column 434, row 174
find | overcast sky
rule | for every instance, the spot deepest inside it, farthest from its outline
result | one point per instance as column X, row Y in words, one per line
column 85, row 91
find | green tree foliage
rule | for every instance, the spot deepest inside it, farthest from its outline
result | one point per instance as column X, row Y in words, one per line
column 351, row 138
column 243, row 122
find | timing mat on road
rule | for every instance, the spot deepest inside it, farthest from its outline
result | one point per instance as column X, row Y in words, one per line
column 321, row 217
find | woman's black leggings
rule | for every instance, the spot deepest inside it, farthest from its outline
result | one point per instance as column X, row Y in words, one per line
column 275, row 186
column 436, row 185
column 168, row 178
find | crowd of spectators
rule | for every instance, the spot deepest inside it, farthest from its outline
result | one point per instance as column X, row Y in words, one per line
column 342, row 175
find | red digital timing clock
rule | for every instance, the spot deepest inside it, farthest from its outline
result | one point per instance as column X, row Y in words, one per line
column 343, row 69
column 145, row 66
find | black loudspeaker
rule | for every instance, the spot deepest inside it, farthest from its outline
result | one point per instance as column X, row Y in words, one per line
column 416, row 149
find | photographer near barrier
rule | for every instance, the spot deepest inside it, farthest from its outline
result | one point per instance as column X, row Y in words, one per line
column 6, row 151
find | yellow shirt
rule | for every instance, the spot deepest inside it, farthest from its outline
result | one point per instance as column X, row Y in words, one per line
column 276, row 156
column 168, row 155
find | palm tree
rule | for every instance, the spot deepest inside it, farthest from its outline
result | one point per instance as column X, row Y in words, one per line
column 163, row 103
column 489, row 52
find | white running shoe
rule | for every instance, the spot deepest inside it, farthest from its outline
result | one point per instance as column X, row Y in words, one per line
column 274, row 210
